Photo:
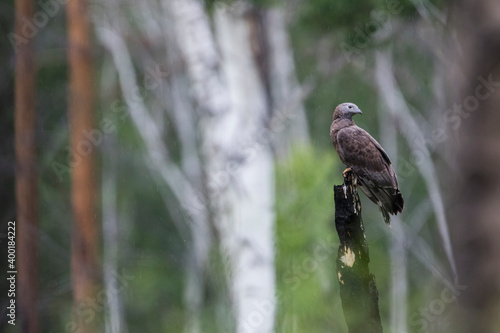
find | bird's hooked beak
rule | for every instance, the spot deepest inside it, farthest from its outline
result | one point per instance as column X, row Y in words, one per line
column 358, row 111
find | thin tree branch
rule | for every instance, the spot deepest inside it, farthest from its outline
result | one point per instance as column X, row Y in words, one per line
column 399, row 109
column 398, row 252
column 156, row 150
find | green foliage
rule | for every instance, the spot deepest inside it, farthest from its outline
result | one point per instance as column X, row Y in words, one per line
column 324, row 16
column 306, row 244
column 349, row 85
column 153, row 255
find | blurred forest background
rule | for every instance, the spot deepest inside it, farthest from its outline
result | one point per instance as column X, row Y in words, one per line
column 174, row 167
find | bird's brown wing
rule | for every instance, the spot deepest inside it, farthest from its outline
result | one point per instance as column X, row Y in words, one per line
column 377, row 179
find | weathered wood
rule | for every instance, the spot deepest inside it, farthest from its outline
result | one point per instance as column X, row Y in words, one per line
column 358, row 291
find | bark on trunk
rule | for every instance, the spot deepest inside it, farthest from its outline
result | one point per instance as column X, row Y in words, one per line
column 398, row 250
column 238, row 164
column 475, row 208
column 115, row 321
column 358, row 291
column 80, row 104
column 289, row 123
column 182, row 183
column 26, row 180
column 248, row 228
column 183, row 113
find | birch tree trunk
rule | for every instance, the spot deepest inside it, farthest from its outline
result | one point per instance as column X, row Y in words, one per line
column 238, row 164
column 233, row 97
column 289, row 122
column 247, row 232
column 115, row 322
column 184, row 116
column 184, row 181
column 398, row 252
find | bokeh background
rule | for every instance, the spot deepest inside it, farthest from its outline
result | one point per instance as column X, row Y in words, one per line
column 183, row 168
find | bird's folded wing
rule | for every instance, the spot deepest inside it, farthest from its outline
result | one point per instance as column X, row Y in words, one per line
column 366, row 157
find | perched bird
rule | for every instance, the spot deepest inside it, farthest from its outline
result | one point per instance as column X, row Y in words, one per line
column 364, row 156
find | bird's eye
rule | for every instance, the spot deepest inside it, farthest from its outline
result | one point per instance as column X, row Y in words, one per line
column 350, row 107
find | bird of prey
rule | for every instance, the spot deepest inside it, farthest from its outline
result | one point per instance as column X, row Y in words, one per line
column 364, row 156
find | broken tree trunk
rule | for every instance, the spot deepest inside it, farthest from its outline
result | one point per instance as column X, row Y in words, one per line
column 358, row 291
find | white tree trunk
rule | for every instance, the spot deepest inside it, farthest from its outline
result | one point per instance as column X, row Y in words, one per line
column 249, row 228
column 398, row 251
column 286, row 93
column 115, row 321
column 182, row 112
column 398, row 108
column 237, row 164
column 237, row 159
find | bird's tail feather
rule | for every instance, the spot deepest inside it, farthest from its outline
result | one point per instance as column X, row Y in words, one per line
column 399, row 202
column 389, row 200
column 385, row 214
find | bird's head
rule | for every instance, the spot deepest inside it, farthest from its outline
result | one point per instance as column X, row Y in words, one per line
column 346, row 111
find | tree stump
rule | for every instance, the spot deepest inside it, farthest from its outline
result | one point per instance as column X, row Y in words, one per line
column 358, row 291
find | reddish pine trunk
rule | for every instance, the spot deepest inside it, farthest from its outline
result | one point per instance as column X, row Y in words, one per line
column 84, row 243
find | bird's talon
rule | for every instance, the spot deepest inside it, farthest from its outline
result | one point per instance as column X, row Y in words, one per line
column 346, row 171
